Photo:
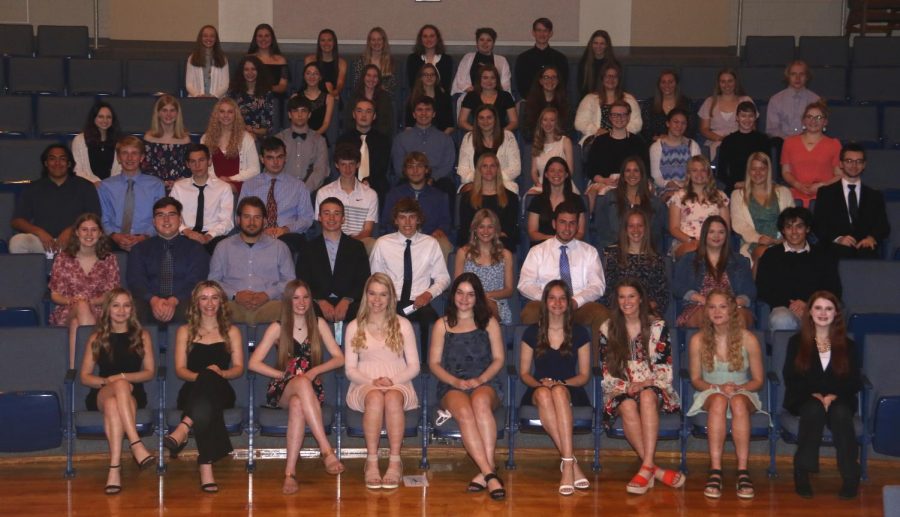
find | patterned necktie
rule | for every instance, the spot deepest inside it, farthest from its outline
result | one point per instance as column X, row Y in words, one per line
column 406, row 290
column 363, row 158
column 166, row 270
column 853, row 204
column 565, row 273
column 198, row 225
column 271, row 207
column 128, row 211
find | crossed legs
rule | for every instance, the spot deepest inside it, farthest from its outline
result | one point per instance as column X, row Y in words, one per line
column 118, row 407
column 555, row 411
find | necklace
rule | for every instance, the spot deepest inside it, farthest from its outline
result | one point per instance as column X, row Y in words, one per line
column 823, row 345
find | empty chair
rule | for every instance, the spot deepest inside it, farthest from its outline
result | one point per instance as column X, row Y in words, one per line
column 16, row 39
column 7, row 204
column 876, row 51
column 768, row 50
column 698, row 82
column 152, row 77
column 640, row 80
column 32, row 392
column 195, row 111
column 20, row 160
column 42, row 75
column 882, row 355
column 829, row 83
column 62, row 115
column 824, row 50
column 890, row 130
column 874, row 84
column 860, row 279
column 760, row 83
column 62, row 41
column 134, row 113
column 95, row 77
column 883, row 171
column 857, row 123
column 24, row 281
column 15, row 116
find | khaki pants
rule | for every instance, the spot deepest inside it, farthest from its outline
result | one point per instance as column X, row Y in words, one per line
column 267, row 313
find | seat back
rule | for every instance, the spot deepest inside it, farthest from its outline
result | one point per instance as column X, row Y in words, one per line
column 698, row 82
column 874, row 84
column 20, row 160
column 62, row 115
column 861, row 278
column 882, row 356
column 43, row 75
column 16, row 39
column 876, row 51
column 62, row 41
column 824, row 50
column 761, row 83
column 15, row 115
column 196, row 111
column 830, row 83
column 152, row 77
column 640, row 80
column 7, row 204
column 32, row 387
column 95, row 76
column 24, row 281
column 891, row 128
column 883, row 169
column 134, row 113
column 768, row 50
column 859, row 123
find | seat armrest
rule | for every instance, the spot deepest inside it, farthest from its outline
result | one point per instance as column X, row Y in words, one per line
column 512, row 371
column 773, row 378
column 70, row 376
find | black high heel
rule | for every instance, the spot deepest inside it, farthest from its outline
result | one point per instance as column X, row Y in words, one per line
column 113, row 489
column 173, row 446
column 146, row 462
column 499, row 493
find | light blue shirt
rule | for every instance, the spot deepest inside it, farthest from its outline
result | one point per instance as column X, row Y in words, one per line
column 784, row 114
column 295, row 209
column 147, row 189
column 434, row 143
column 266, row 266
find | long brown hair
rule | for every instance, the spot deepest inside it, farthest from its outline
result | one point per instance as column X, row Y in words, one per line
column 540, row 136
column 543, row 339
column 481, row 313
column 681, row 101
column 475, row 194
column 735, row 335
column 264, row 79
column 536, row 100
column 103, row 247
column 386, row 64
column 619, row 344
column 418, row 89
column 497, row 133
column 103, row 329
column 198, row 55
column 286, row 336
column 646, row 246
column 587, row 60
column 738, row 89
column 223, row 315
column 837, row 334
column 701, row 257
column 644, row 193
column 600, row 90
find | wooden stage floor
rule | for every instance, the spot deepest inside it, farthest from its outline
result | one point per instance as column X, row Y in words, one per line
column 37, row 487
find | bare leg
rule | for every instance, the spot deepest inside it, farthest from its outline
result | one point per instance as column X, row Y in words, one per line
column 112, row 426
column 543, row 399
column 484, row 401
column 631, row 422
column 373, row 419
column 649, row 425
column 460, row 405
column 295, row 431
column 395, row 419
column 563, row 406
column 741, row 408
column 716, row 405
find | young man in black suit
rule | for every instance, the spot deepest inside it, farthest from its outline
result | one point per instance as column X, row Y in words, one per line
column 334, row 265
column 850, row 218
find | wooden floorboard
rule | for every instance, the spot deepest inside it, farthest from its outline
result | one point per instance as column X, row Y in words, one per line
column 36, row 487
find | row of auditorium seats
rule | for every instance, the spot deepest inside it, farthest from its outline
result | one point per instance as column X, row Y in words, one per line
column 47, row 402
column 51, row 40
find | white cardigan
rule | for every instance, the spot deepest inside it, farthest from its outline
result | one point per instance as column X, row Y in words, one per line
column 249, row 165
column 508, row 154
column 463, row 77
column 741, row 221
column 83, row 161
column 656, row 156
column 589, row 118
column 218, row 80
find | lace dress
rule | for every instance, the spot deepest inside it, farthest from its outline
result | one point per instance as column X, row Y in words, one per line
column 493, row 279
column 300, row 362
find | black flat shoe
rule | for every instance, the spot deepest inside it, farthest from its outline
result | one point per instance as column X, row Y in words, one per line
column 801, row 483
column 849, row 490
column 113, row 489
column 499, row 493
column 146, row 462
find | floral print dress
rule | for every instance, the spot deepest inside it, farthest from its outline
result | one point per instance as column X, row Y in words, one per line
column 300, row 362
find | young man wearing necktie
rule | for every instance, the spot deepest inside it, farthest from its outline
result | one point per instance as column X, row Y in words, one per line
column 207, row 201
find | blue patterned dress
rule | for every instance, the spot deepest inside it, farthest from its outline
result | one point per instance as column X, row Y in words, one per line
column 492, row 278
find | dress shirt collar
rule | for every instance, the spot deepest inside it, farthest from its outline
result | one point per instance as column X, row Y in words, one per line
column 789, row 249
column 557, row 243
column 402, row 238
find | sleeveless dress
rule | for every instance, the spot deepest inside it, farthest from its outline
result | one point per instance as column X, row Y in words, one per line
column 466, row 355
column 206, row 399
column 201, row 356
column 165, row 161
column 721, row 375
column 329, row 71
column 300, row 361
column 119, row 359
column 554, row 365
column 317, row 114
column 765, row 219
column 492, row 278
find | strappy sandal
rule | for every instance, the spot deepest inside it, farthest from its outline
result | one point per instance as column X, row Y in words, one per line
column 211, row 487
column 713, row 488
column 565, row 488
column 745, row 485
column 290, row 485
column 173, row 446
column 113, row 489
column 333, row 465
column 639, row 485
column 671, row 478
column 372, row 476
column 499, row 493
column 581, row 483
column 476, row 487
column 393, row 474
column 146, row 462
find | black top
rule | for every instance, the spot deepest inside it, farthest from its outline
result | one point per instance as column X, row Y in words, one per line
column 733, row 154
column 444, row 67
column 119, row 359
column 203, row 355
column 504, row 101
column 532, row 62
column 607, row 154
column 443, row 109
column 832, row 220
column 553, row 364
column 329, row 71
column 541, row 205
column 800, row 385
column 319, row 109
column 654, row 122
column 379, row 156
column 597, row 64
column 54, row 207
column 351, row 268
column 191, row 265
column 508, row 216
column 782, row 276
column 102, row 155
column 278, row 72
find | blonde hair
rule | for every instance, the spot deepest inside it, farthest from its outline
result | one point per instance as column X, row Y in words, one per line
column 540, row 136
column 393, row 340
column 478, row 183
column 385, row 64
column 156, row 130
column 214, row 130
column 735, row 335
column 103, row 330
column 770, row 185
column 223, row 317
column 286, row 337
column 711, row 193
column 473, row 250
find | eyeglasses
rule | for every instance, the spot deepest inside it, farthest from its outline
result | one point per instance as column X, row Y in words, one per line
column 817, row 118
column 851, row 161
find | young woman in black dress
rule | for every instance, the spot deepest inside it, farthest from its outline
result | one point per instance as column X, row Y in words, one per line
column 208, row 353
column 299, row 337
column 124, row 354
column 465, row 355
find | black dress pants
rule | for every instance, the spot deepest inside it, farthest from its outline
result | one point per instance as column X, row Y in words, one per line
column 205, row 401
column 839, row 419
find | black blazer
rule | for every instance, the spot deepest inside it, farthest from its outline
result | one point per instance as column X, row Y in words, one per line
column 351, row 269
column 799, row 385
column 832, row 217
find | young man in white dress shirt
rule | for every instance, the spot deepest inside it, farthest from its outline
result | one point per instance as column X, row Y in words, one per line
column 414, row 262
column 549, row 260
column 218, row 201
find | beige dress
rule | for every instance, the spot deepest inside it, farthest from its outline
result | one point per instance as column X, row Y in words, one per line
column 377, row 360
